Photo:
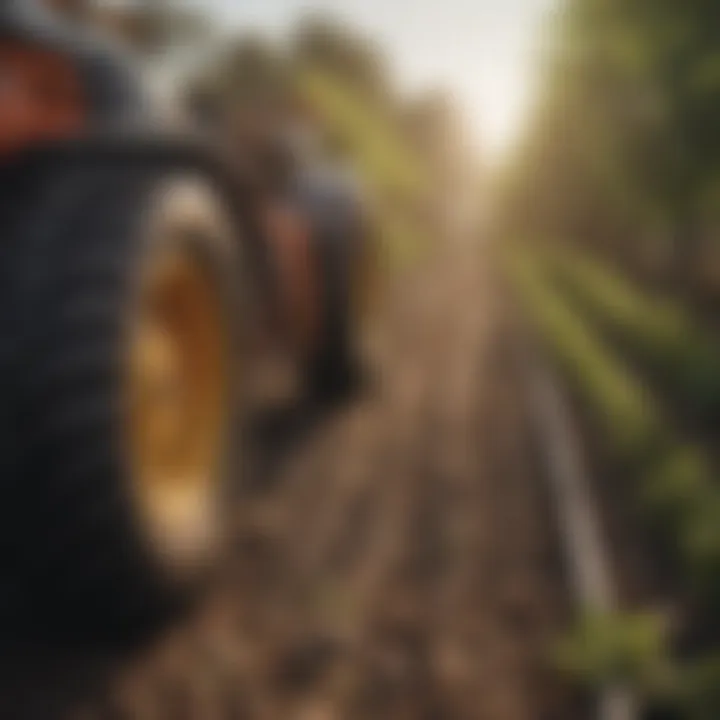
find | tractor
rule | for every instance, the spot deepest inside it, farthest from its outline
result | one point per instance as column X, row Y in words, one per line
column 133, row 266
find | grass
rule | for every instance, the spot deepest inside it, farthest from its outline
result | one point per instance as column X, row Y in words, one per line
column 673, row 481
column 621, row 405
column 388, row 165
column 610, row 649
column 661, row 333
column 397, row 183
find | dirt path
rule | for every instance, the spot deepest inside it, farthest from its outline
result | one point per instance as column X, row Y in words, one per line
column 394, row 561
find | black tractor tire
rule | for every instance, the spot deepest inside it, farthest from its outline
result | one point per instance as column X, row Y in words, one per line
column 72, row 533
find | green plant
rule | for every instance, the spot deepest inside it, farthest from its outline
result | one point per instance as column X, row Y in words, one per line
column 387, row 164
column 675, row 484
column 660, row 332
column 607, row 649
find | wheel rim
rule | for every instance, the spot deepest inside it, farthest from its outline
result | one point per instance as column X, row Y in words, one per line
column 179, row 388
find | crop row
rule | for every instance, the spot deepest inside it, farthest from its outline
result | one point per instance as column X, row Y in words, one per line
column 672, row 479
column 662, row 334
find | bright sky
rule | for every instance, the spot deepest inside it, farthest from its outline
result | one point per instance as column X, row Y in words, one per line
column 483, row 50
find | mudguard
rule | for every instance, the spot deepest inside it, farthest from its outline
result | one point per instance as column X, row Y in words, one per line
column 113, row 90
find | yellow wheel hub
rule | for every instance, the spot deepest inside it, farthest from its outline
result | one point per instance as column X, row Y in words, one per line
column 178, row 383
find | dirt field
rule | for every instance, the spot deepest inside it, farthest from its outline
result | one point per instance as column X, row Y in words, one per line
column 394, row 560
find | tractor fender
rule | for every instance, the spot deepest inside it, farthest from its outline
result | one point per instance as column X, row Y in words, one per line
column 332, row 204
column 331, row 200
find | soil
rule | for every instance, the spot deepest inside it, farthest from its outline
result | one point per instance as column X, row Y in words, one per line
column 393, row 558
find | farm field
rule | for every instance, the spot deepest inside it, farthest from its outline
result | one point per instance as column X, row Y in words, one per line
column 394, row 560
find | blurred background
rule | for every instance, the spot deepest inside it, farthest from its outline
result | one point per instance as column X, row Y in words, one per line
column 544, row 180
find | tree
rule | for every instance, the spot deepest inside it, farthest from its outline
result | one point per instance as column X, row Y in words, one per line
column 625, row 141
column 318, row 40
